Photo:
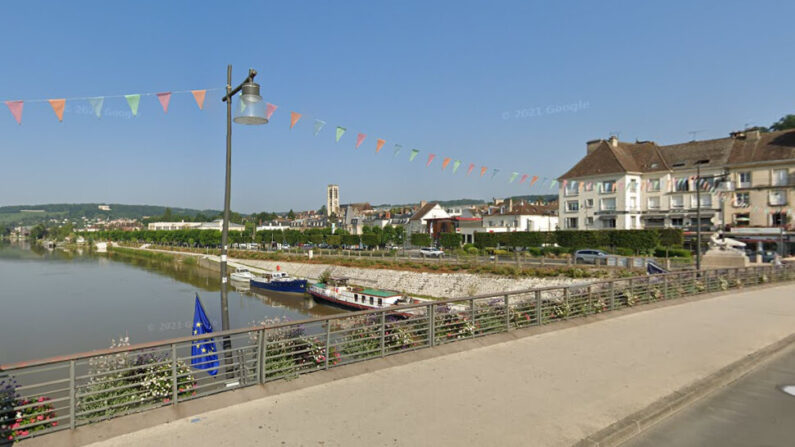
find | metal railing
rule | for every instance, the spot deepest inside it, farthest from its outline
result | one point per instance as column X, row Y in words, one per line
column 64, row 392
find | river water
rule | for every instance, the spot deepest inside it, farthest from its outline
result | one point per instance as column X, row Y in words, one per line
column 56, row 302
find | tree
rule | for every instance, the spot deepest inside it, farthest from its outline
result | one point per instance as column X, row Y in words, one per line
column 167, row 215
column 322, row 211
column 787, row 122
column 38, row 232
column 291, row 215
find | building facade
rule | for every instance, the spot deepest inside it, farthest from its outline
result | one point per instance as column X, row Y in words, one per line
column 332, row 200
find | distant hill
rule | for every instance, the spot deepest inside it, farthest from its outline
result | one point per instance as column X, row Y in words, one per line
column 32, row 214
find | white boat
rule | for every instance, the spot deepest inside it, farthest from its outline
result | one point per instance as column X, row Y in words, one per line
column 339, row 292
column 242, row 274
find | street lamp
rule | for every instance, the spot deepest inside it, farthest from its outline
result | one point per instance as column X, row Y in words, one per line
column 252, row 112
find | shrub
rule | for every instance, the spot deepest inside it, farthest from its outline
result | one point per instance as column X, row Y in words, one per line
column 623, row 251
column 420, row 239
column 472, row 250
column 450, row 240
column 660, row 252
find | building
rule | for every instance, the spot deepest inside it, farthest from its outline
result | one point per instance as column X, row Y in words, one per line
column 332, row 200
column 420, row 221
column 521, row 217
column 214, row 225
column 746, row 180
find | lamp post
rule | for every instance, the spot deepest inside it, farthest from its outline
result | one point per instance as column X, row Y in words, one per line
column 251, row 112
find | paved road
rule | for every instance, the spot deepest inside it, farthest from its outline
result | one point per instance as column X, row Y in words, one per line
column 751, row 412
column 551, row 389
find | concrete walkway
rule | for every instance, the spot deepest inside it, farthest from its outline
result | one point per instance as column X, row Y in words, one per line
column 550, row 389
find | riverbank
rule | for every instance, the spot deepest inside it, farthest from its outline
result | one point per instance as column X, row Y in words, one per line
column 414, row 282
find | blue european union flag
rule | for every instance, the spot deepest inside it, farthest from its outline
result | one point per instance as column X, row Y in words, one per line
column 203, row 351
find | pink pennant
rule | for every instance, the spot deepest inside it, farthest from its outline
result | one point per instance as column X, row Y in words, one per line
column 359, row 139
column 164, row 99
column 524, row 177
column 16, row 109
column 269, row 109
column 430, row 159
column 471, row 167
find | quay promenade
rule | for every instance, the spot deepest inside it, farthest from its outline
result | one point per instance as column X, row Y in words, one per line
column 546, row 386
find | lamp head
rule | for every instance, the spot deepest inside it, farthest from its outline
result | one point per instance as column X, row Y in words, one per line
column 251, row 110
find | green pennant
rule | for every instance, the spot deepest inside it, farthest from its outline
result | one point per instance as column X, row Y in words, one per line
column 133, row 101
column 398, row 147
column 513, row 177
column 494, row 173
column 414, row 153
column 340, row 133
column 456, row 164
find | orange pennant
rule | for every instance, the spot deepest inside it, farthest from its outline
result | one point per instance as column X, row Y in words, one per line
column 379, row 144
column 483, row 170
column 294, row 117
column 445, row 163
column 57, row 107
column 199, row 96
column 533, row 180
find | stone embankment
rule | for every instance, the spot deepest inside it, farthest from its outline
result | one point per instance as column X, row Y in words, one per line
column 439, row 285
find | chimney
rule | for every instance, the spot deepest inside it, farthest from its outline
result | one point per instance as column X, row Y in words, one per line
column 423, row 203
column 613, row 141
column 510, row 205
column 592, row 145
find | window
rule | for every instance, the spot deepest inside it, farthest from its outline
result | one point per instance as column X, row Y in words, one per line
column 706, row 201
column 572, row 205
column 681, row 184
column 608, row 204
column 742, row 200
column 677, row 202
column 589, row 221
column 609, row 223
column 571, row 188
column 744, row 179
column 380, row 302
column 777, row 198
column 780, row 177
column 589, row 203
column 778, row 219
column 633, row 185
column 654, row 203
column 571, row 222
column 655, row 223
column 653, row 185
column 371, row 300
column 742, row 220
column 607, row 186
column 677, row 222
column 633, row 203
column 356, row 297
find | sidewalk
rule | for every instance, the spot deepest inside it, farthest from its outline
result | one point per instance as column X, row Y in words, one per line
column 550, row 389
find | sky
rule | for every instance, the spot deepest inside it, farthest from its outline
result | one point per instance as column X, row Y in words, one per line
column 515, row 86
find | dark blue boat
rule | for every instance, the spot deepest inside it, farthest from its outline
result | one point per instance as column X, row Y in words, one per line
column 279, row 282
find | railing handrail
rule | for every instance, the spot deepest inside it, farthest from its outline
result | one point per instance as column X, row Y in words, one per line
column 399, row 308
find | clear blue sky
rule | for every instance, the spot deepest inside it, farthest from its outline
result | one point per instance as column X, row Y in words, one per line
column 444, row 77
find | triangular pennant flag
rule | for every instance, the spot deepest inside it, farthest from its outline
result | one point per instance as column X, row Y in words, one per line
column 16, row 109
column 96, row 104
column 513, row 177
column 445, row 163
column 471, row 167
column 430, row 159
column 379, row 143
column 397, row 150
column 360, row 139
column 269, row 109
column 414, row 153
column 294, row 117
column 319, row 125
column 57, row 107
column 133, row 101
column 524, row 177
column 456, row 164
column 164, row 99
column 533, row 180
column 199, row 95
column 483, row 170
column 340, row 132
column 552, row 183
column 494, row 173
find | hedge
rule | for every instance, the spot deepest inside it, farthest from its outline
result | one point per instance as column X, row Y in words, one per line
column 420, row 239
column 450, row 240
column 636, row 240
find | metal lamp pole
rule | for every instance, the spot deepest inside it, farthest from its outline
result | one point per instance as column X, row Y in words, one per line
column 248, row 116
column 698, row 216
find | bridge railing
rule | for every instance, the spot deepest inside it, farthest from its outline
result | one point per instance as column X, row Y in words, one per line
column 64, row 392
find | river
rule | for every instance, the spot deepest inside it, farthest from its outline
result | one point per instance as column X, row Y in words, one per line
column 57, row 302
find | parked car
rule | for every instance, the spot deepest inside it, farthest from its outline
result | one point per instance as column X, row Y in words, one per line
column 431, row 252
column 589, row 256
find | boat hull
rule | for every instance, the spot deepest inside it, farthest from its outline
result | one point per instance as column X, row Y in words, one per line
column 340, row 303
column 293, row 286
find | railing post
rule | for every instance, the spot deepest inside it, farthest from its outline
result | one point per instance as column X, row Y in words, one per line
column 566, row 295
column 473, row 315
column 590, row 300
column 261, row 359
column 613, row 294
column 174, row 386
column 539, row 310
column 383, row 333
column 72, row 403
column 328, row 343
column 507, row 313
column 665, row 286
column 431, row 326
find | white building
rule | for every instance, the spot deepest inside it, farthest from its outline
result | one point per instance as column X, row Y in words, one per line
column 214, row 225
column 521, row 217
column 419, row 222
